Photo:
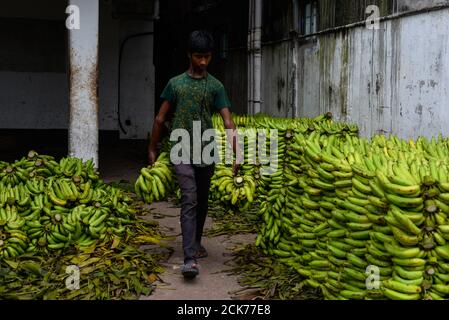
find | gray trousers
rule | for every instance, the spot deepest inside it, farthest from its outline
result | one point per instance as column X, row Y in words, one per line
column 194, row 183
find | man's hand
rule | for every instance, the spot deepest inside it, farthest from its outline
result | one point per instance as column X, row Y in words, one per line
column 235, row 168
column 237, row 162
column 152, row 156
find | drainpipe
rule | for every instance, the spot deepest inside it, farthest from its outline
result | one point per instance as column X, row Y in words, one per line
column 257, row 55
column 156, row 10
column 294, row 75
column 83, row 78
column 254, row 56
column 294, row 71
column 250, row 107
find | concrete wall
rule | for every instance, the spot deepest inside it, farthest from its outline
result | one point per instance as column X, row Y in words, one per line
column 33, row 64
column 137, row 81
column 391, row 80
column 108, row 68
column 353, row 73
column 33, row 85
column 42, row 9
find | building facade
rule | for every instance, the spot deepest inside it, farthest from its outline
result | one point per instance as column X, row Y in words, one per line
column 382, row 64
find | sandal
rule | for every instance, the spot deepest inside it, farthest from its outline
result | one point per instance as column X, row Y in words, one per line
column 190, row 269
column 201, row 253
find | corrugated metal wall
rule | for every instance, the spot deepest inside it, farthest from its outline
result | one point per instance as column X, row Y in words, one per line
column 276, row 83
column 235, row 77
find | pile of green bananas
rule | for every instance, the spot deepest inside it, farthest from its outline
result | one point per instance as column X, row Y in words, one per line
column 281, row 197
column 255, row 134
column 35, row 166
column 54, row 214
column 336, row 207
column 155, row 182
column 49, row 206
column 251, row 130
column 356, row 204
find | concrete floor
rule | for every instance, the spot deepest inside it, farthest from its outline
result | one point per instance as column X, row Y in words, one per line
column 121, row 160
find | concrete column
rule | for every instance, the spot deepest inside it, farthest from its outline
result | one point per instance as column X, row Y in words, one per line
column 83, row 75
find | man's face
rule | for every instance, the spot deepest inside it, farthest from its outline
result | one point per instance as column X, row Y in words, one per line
column 200, row 61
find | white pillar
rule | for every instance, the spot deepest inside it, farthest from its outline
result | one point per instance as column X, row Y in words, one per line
column 83, row 75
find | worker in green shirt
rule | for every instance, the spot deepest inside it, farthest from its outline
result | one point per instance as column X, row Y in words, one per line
column 192, row 97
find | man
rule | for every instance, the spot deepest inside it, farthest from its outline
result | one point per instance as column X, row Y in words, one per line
column 193, row 96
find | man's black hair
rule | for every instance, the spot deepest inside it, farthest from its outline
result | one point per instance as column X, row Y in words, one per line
column 200, row 41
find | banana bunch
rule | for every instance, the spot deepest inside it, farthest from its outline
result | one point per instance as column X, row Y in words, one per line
column 272, row 211
column 79, row 171
column 238, row 192
column 156, row 181
column 17, row 195
column 13, row 241
column 48, row 232
column 9, row 218
column 13, row 174
column 40, row 165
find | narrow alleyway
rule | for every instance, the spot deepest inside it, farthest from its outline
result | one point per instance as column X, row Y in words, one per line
column 212, row 283
column 122, row 161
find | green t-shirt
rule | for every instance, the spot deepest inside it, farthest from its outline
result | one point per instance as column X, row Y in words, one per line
column 194, row 99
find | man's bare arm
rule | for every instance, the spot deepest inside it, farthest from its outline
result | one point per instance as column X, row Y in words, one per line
column 156, row 132
column 229, row 124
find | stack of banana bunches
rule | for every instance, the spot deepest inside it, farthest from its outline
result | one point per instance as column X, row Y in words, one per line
column 47, row 206
column 357, row 218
